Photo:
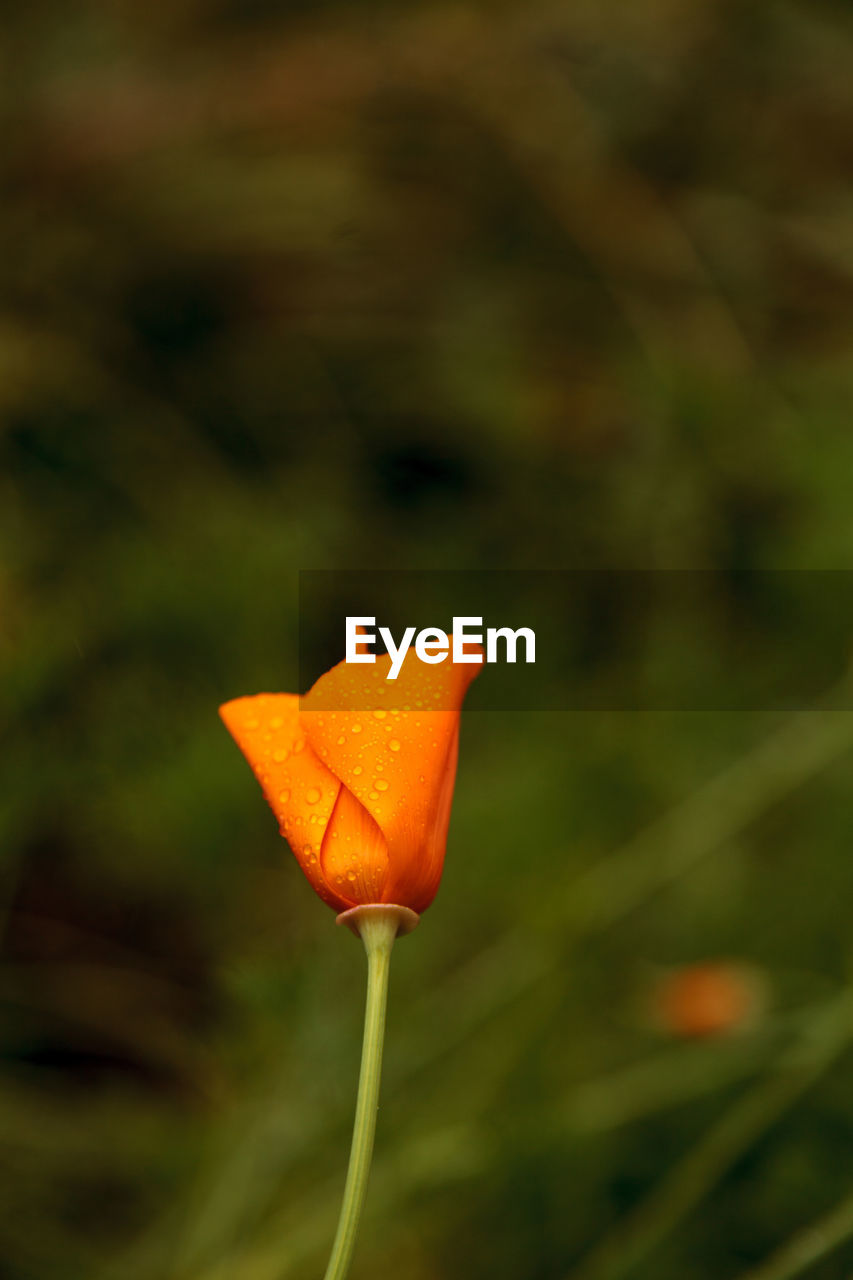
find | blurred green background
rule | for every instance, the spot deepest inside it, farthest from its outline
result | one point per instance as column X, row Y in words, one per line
column 355, row 285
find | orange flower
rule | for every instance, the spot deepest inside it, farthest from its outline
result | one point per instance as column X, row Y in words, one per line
column 362, row 792
column 713, row 998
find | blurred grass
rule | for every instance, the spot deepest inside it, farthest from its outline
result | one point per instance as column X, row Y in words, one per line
column 354, row 286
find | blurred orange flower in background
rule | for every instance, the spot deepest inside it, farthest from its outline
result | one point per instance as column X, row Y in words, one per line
column 362, row 792
column 713, row 998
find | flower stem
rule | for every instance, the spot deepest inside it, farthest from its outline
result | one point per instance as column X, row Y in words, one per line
column 377, row 926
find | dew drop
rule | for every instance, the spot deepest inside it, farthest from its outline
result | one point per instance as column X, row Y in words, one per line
column 356, row 728
column 381, row 784
column 380, row 714
column 351, row 875
column 374, row 795
column 312, row 795
column 394, row 745
column 357, row 770
column 341, row 740
column 284, row 796
column 298, row 746
column 280, row 754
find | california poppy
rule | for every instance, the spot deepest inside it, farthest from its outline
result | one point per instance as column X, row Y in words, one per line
column 360, row 774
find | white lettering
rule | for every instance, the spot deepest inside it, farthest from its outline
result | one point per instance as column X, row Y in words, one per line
column 461, row 637
column 425, row 642
column 397, row 652
column 354, row 640
column 432, row 645
column 511, row 638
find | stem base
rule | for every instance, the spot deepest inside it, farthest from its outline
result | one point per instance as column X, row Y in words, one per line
column 357, row 917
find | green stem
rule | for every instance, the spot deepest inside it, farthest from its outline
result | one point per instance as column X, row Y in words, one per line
column 378, row 931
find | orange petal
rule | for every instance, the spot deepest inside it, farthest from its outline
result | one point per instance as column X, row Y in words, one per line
column 354, row 854
column 300, row 789
column 415, row 882
column 393, row 745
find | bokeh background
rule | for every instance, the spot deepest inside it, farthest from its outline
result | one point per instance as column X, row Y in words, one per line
column 361, row 285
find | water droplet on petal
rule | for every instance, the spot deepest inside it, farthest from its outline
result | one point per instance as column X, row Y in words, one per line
column 298, row 745
column 341, row 740
column 284, row 796
column 356, row 728
column 351, row 875
column 312, row 795
column 374, row 795
column 381, row 784
column 357, row 770
column 380, row 715
column 394, row 745
column 281, row 753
